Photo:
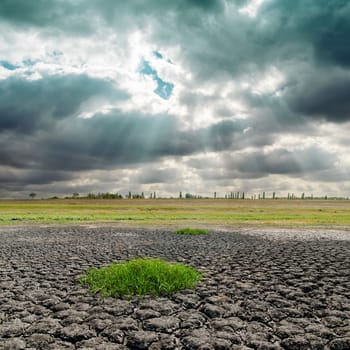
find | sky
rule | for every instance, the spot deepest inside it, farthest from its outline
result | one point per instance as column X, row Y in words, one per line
column 198, row 96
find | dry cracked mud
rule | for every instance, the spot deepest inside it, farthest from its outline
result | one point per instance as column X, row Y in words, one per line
column 263, row 289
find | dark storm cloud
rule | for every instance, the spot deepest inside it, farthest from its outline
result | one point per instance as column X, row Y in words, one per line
column 39, row 128
column 320, row 96
column 282, row 161
column 137, row 11
column 39, row 12
column 313, row 162
column 118, row 139
column 11, row 177
column 18, row 151
column 71, row 16
column 152, row 175
column 59, row 15
column 321, row 23
column 30, row 105
column 290, row 35
column 222, row 135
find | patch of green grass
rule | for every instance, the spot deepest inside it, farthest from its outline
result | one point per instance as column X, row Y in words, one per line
column 192, row 231
column 140, row 277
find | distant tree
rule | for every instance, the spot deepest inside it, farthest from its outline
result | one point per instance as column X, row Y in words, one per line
column 180, row 195
column 242, row 195
column 32, row 195
column 274, row 195
column 192, row 196
column 75, row 195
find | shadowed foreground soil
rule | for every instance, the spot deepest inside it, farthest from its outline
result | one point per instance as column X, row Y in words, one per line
column 263, row 289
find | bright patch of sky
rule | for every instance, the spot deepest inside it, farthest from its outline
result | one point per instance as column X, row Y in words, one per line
column 8, row 65
column 164, row 89
column 251, row 8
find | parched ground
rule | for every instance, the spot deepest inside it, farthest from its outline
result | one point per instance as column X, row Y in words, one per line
column 263, row 289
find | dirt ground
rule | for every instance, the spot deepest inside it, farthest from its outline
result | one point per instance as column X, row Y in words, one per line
column 262, row 289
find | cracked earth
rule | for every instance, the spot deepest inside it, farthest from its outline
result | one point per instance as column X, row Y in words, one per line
column 262, row 289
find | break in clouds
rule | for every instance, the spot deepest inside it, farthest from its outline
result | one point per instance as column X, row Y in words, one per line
column 191, row 96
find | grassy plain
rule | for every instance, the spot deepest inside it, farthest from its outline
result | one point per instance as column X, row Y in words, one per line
column 178, row 213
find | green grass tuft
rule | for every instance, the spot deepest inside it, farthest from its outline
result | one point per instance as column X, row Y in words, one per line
column 192, row 231
column 140, row 277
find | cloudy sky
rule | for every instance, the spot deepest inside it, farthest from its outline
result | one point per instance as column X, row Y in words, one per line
column 188, row 95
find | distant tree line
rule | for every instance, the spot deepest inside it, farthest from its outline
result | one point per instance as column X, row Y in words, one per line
column 260, row 196
column 111, row 195
column 230, row 195
column 104, row 195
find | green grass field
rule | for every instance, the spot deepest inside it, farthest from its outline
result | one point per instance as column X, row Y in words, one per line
column 177, row 213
